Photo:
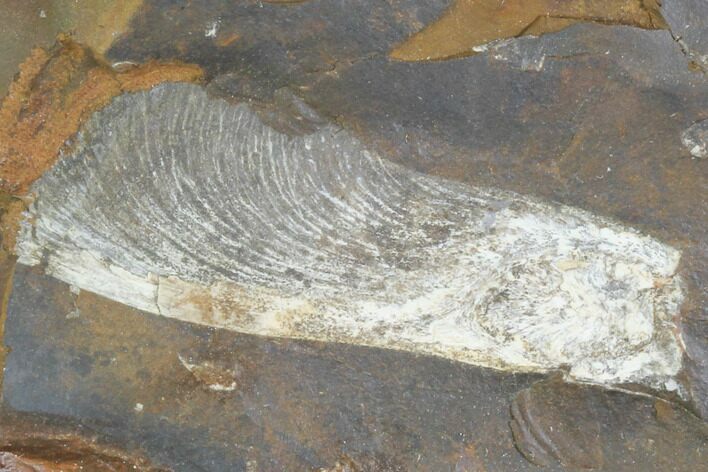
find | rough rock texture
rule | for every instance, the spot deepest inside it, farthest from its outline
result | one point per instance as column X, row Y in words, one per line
column 594, row 116
column 687, row 20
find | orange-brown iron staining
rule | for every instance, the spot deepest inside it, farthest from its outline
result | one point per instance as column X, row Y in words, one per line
column 470, row 23
column 54, row 93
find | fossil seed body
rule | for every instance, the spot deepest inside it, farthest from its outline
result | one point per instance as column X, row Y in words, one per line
column 192, row 208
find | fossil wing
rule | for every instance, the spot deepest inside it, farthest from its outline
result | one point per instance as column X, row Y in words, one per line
column 193, row 208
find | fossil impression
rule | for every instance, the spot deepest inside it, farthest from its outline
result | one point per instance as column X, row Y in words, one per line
column 192, row 208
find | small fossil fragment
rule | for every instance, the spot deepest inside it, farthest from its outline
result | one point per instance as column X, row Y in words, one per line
column 695, row 138
column 192, row 208
column 217, row 379
column 576, row 425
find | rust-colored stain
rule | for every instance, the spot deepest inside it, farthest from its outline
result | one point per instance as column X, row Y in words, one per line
column 72, row 461
column 470, row 23
column 34, row 443
column 226, row 39
column 54, row 94
column 27, row 24
column 11, row 209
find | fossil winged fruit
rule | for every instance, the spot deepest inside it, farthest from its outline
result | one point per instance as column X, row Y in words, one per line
column 190, row 207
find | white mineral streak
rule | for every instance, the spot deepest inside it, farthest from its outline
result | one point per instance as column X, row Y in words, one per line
column 191, row 208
